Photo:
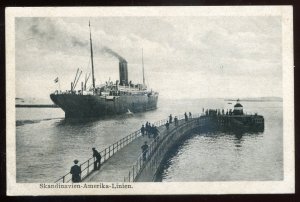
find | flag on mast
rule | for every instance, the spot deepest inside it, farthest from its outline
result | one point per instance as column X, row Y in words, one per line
column 56, row 80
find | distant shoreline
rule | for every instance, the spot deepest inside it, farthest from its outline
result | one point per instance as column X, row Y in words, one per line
column 36, row 106
column 253, row 100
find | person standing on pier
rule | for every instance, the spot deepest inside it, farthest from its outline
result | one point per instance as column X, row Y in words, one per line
column 185, row 117
column 167, row 125
column 143, row 130
column 145, row 150
column 150, row 130
column 176, row 121
column 97, row 163
column 170, row 119
column 147, row 128
column 76, row 172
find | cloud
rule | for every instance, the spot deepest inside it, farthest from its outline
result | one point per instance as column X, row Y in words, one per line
column 193, row 48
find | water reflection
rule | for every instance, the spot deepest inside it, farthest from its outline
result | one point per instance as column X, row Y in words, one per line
column 215, row 142
column 84, row 121
column 50, row 145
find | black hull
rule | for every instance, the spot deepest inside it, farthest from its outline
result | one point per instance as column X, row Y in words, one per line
column 79, row 106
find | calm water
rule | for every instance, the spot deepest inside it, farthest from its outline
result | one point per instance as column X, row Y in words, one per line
column 47, row 144
column 218, row 156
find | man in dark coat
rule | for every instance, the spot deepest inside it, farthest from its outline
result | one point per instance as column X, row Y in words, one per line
column 147, row 128
column 76, row 172
column 167, row 125
column 97, row 163
column 176, row 121
column 155, row 131
column 185, row 116
column 145, row 150
column 170, row 118
column 143, row 130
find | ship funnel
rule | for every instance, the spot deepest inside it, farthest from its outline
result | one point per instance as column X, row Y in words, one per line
column 123, row 72
column 122, row 65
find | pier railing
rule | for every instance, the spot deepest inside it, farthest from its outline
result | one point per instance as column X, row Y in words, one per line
column 87, row 167
column 161, row 144
column 157, row 145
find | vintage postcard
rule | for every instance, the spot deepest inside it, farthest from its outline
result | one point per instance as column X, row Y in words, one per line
column 150, row 100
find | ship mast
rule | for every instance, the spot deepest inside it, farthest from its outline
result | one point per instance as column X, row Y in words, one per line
column 92, row 61
column 143, row 68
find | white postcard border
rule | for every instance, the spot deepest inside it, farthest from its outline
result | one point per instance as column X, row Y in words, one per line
column 237, row 187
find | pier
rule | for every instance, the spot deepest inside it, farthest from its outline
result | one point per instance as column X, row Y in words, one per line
column 123, row 161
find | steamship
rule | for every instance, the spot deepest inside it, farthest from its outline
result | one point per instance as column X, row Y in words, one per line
column 111, row 98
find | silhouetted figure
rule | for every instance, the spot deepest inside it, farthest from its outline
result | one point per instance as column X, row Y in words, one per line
column 146, row 125
column 176, row 121
column 145, row 150
column 76, row 172
column 185, row 116
column 155, row 131
column 170, row 118
column 190, row 114
column 167, row 125
column 143, row 130
column 97, row 155
column 147, row 128
column 152, row 130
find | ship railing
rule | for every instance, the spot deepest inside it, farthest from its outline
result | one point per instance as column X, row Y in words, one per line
column 156, row 147
column 87, row 167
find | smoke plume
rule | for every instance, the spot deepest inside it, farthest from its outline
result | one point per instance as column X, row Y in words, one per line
column 113, row 53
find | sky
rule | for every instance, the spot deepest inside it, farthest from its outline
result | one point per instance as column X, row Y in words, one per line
column 184, row 57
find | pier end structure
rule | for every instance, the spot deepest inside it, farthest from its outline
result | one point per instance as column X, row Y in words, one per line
column 123, row 161
column 146, row 171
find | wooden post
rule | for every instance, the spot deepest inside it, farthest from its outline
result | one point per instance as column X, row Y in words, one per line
column 129, row 177
column 132, row 173
column 80, row 173
column 140, row 162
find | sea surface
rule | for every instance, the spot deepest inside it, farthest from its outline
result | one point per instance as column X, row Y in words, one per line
column 46, row 144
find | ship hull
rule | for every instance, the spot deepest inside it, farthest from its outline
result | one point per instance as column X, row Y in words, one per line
column 79, row 106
